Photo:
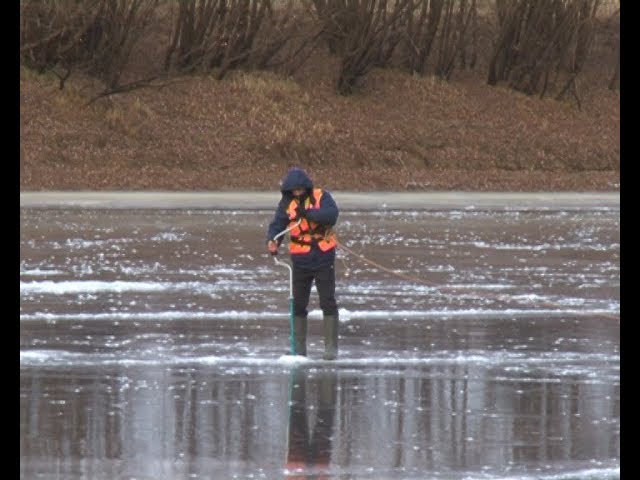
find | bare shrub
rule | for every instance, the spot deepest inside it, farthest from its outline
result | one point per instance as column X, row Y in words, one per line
column 338, row 18
column 614, row 83
column 95, row 37
column 538, row 41
column 287, row 38
column 441, row 28
column 452, row 37
column 539, row 46
column 365, row 34
column 609, row 35
column 118, row 27
column 422, row 26
column 51, row 33
column 229, row 34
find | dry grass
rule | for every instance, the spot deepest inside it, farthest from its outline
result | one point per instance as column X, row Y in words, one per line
column 398, row 132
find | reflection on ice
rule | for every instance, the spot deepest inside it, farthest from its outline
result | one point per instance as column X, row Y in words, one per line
column 154, row 345
column 446, row 420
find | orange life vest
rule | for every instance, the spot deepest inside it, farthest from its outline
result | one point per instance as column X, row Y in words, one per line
column 304, row 235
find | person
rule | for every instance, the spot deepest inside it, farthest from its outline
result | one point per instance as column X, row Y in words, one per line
column 312, row 248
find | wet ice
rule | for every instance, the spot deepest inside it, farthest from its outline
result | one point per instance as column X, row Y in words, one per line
column 150, row 337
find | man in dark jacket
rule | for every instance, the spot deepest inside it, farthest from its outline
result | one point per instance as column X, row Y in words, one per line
column 310, row 213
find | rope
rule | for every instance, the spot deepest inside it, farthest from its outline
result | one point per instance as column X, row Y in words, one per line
column 381, row 267
column 424, row 282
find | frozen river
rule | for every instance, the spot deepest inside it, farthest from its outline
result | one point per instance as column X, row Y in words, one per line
column 477, row 341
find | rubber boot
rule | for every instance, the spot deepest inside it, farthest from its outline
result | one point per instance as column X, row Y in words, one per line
column 330, row 324
column 300, row 329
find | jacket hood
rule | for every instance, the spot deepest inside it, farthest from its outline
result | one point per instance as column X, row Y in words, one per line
column 295, row 178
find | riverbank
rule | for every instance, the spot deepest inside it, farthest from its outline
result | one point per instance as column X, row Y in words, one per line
column 346, row 200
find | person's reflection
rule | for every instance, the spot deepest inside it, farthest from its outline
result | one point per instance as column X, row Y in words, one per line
column 310, row 452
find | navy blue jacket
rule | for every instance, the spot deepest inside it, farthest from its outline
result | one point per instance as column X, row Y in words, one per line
column 325, row 214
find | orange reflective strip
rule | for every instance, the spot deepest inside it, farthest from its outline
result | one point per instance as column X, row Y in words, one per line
column 302, row 230
column 296, row 248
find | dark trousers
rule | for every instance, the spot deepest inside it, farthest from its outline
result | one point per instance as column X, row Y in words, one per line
column 325, row 281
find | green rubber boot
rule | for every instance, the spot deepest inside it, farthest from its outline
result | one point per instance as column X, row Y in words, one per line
column 330, row 325
column 300, row 329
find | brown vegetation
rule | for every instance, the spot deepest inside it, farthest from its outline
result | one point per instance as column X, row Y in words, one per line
column 235, row 125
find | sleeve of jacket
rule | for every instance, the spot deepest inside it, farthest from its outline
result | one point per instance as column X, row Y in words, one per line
column 327, row 213
column 279, row 223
